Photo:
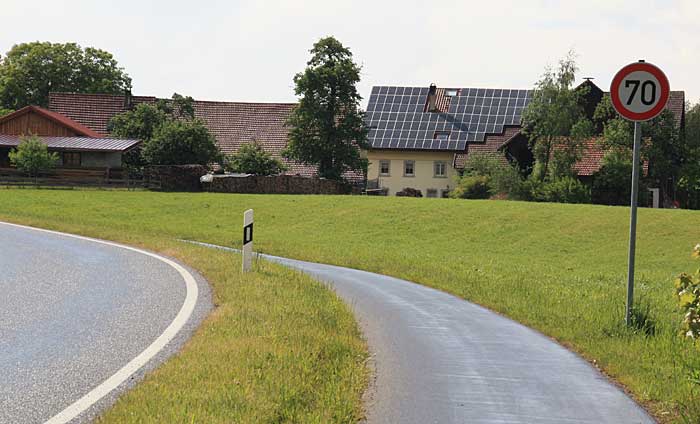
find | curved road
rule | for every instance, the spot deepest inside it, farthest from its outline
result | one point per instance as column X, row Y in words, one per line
column 76, row 312
column 440, row 359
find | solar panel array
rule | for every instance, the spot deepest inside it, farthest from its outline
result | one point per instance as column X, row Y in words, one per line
column 397, row 118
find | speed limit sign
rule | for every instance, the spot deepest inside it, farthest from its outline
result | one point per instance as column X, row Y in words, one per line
column 640, row 91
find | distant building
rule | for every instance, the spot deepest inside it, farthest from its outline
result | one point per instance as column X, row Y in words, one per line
column 421, row 137
column 231, row 123
column 78, row 146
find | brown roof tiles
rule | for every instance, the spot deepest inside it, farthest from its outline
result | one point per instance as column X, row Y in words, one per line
column 231, row 123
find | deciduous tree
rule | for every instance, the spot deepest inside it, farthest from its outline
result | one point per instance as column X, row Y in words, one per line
column 327, row 127
column 170, row 133
column 29, row 71
column 554, row 121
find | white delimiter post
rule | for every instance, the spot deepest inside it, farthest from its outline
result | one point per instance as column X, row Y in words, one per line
column 633, row 220
column 247, row 240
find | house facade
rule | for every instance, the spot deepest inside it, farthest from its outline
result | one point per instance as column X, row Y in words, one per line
column 78, row 146
column 420, row 137
column 414, row 131
column 431, row 172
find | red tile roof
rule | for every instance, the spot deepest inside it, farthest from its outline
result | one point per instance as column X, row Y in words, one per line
column 231, row 123
column 592, row 159
column 60, row 119
column 491, row 146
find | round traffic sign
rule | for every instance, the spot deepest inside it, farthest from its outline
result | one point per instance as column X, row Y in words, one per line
column 639, row 91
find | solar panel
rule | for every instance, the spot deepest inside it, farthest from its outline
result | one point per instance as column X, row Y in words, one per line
column 397, row 118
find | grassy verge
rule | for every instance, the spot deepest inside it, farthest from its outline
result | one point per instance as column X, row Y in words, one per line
column 279, row 347
column 557, row 268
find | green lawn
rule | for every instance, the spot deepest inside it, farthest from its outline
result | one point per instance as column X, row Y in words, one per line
column 558, row 268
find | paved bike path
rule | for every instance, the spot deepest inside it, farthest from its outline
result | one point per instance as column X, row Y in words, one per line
column 441, row 359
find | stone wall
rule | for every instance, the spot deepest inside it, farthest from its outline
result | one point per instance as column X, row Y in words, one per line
column 281, row 184
column 176, row 177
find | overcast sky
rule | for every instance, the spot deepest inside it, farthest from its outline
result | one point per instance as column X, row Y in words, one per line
column 250, row 50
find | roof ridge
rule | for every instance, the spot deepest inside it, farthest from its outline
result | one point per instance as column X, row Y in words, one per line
column 53, row 116
column 121, row 96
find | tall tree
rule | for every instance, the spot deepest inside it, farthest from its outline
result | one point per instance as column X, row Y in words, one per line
column 327, row 127
column 555, row 122
column 29, row 71
column 692, row 125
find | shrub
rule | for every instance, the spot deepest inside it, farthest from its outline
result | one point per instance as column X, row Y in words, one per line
column 565, row 190
column 561, row 190
column 472, row 187
column 688, row 296
column 502, row 178
column 409, row 192
column 251, row 158
column 32, row 156
column 611, row 184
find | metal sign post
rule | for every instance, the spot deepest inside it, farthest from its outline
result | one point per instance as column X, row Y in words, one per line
column 639, row 92
column 247, row 240
column 633, row 220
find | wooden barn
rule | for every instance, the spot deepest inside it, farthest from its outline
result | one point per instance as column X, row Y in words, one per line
column 79, row 147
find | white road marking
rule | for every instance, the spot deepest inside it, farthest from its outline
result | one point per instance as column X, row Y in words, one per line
column 85, row 402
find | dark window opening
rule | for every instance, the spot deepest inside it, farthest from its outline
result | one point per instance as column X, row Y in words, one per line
column 71, row 159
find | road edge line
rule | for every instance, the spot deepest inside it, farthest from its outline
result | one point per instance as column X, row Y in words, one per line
column 183, row 315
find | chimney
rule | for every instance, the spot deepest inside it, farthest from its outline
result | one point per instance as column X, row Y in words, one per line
column 432, row 98
column 128, row 101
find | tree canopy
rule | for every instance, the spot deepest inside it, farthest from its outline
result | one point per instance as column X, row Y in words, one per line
column 666, row 150
column 327, row 127
column 692, row 125
column 170, row 133
column 29, row 71
column 555, row 122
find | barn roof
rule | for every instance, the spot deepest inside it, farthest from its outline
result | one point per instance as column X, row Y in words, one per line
column 231, row 123
column 85, row 144
column 58, row 118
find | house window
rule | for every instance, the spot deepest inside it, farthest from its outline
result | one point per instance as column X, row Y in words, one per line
column 409, row 168
column 431, row 192
column 441, row 135
column 451, row 92
column 440, row 169
column 71, row 159
column 384, row 167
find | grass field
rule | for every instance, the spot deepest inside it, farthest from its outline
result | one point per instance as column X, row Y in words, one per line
column 278, row 348
column 558, row 268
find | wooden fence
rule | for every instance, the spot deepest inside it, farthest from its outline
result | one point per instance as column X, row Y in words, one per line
column 75, row 178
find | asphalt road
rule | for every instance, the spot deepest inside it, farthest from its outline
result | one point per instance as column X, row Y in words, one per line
column 440, row 359
column 73, row 312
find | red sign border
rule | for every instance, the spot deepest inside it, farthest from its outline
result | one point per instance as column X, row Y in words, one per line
column 646, row 67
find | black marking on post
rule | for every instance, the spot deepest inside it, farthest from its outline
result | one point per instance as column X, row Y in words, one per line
column 247, row 234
